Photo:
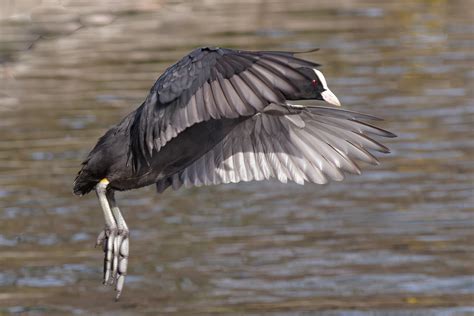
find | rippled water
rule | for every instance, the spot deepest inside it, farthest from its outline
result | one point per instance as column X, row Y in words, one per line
column 396, row 240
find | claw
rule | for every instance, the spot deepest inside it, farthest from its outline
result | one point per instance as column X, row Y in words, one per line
column 119, row 286
column 100, row 238
column 116, row 250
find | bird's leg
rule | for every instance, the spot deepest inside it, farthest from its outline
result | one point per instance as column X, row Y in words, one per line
column 106, row 237
column 120, row 245
column 114, row 238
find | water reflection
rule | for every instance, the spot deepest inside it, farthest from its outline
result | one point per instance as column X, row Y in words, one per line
column 394, row 240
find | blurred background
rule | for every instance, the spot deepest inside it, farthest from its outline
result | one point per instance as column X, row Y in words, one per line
column 396, row 240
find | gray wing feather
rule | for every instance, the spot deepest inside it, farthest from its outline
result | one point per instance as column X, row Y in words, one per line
column 347, row 142
column 209, row 101
column 279, row 171
column 262, row 158
column 286, row 157
column 316, row 145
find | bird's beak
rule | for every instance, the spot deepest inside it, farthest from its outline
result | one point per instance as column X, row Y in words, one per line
column 330, row 97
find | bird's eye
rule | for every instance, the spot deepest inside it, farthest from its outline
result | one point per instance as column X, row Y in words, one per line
column 314, row 82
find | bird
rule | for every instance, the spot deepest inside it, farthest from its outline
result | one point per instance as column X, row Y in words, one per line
column 221, row 116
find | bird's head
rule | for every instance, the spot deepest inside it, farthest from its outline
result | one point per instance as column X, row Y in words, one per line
column 323, row 93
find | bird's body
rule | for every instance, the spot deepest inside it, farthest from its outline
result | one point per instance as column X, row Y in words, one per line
column 220, row 116
column 110, row 158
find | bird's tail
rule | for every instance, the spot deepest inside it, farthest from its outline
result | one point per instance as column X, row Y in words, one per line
column 84, row 182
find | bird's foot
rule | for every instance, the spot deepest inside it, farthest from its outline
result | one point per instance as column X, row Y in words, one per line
column 115, row 243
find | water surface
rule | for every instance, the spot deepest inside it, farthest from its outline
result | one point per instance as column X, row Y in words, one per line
column 396, row 240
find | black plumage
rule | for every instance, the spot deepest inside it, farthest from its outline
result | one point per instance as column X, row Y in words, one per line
column 218, row 116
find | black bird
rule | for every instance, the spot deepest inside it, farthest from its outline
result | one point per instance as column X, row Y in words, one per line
column 218, row 116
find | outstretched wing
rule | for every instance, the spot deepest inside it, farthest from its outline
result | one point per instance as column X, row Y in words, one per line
column 216, row 83
column 315, row 145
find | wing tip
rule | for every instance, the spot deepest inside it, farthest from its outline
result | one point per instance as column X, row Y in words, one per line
column 390, row 135
column 311, row 50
